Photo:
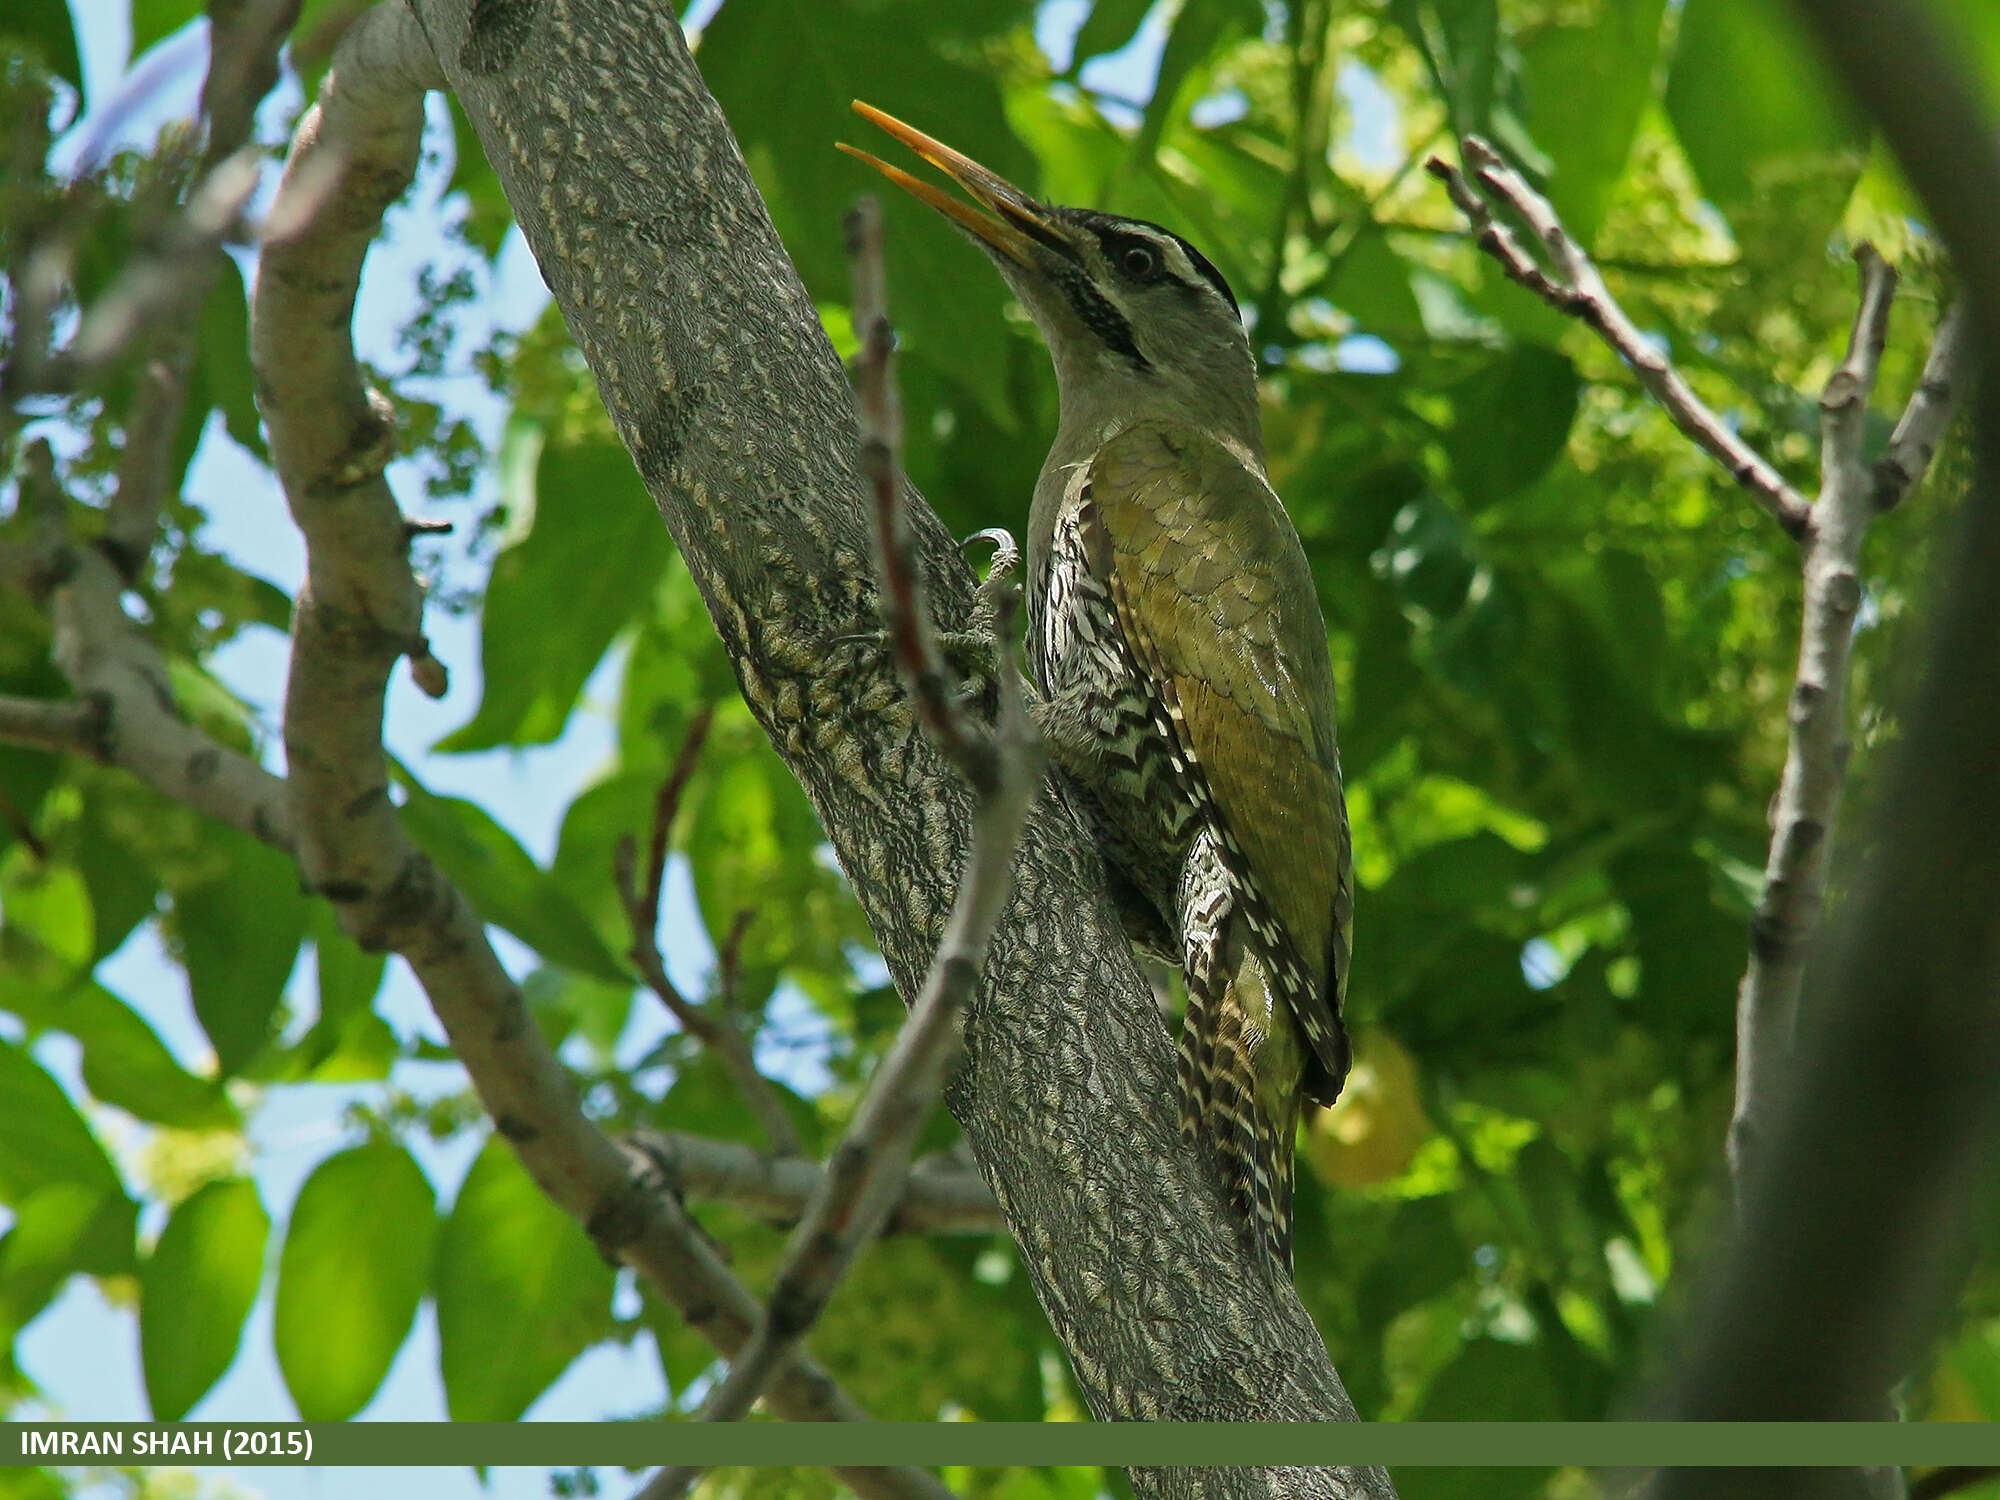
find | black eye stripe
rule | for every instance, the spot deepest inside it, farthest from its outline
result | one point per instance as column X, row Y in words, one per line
column 1114, row 235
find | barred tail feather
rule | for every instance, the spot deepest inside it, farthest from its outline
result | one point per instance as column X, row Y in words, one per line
column 1252, row 1127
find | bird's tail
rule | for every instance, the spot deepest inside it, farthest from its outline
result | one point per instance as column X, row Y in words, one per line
column 1239, row 1069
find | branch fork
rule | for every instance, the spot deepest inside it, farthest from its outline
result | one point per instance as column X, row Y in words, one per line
column 1830, row 528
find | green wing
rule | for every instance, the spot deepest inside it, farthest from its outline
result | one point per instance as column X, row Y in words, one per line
column 1206, row 565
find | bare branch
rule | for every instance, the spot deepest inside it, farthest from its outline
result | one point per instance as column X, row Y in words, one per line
column 905, row 612
column 866, row 1175
column 1930, row 410
column 163, row 291
column 1579, row 290
column 354, row 153
column 1808, row 799
column 941, row 1196
column 1870, row 1191
column 717, row 1032
column 65, row 726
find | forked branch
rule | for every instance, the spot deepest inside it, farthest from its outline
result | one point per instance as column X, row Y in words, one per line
column 1852, row 494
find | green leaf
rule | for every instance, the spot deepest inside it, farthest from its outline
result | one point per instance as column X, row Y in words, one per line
column 488, row 216
column 240, row 936
column 348, row 978
column 155, row 20
column 1747, row 97
column 42, row 29
column 46, row 904
column 61, row 1230
column 1513, row 420
column 1459, row 41
column 357, row 1258
column 1583, row 89
column 224, row 352
column 505, row 886
column 127, row 1065
column 195, row 1290
column 43, row 1140
column 520, row 1292
column 785, row 72
column 1372, row 283
column 1198, row 30
column 124, row 890
column 598, row 546
column 1109, row 26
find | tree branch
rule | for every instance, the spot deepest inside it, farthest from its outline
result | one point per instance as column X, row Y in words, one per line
column 939, row 1197
column 1808, row 800
column 866, row 1174
column 69, row 727
column 1929, row 412
column 716, row 1032
column 1832, row 529
column 354, row 153
column 1578, row 289
column 1860, row 1219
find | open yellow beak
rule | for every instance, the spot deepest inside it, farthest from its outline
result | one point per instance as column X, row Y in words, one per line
column 1012, row 222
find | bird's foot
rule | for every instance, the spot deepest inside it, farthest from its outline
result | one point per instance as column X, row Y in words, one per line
column 971, row 652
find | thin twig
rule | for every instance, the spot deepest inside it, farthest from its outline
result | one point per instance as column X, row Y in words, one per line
column 904, row 611
column 729, row 962
column 867, row 1174
column 667, row 805
column 1579, row 290
column 942, row 1196
column 1930, row 410
column 715, row 1031
column 1808, row 799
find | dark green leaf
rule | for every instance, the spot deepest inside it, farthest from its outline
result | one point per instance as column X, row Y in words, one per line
column 357, row 1258
column 1584, row 88
column 1198, row 30
column 520, row 1292
column 506, row 886
column 1514, row 417
column 42, row 29
column 597, row 546
column 1748, row 98
column 785, row 72
column 240, row 935
column 124, row 890
column 1108, row 27
column 348, row 977
column 1459, row 41
column 487, row 215
column 224, row 352
column 195, row 1290
column 155, row 20
column 1372, row 284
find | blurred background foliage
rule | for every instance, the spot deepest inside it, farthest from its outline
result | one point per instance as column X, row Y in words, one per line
column 1563, row 643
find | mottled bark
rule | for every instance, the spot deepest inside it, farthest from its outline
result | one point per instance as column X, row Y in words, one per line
column 635, row 200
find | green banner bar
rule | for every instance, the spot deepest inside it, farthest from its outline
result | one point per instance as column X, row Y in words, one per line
column 1003, row 1444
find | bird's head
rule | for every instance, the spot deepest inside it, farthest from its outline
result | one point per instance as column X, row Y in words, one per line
column 1138, row 321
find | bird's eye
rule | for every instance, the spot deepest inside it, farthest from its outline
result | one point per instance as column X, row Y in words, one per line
column 1139, row 261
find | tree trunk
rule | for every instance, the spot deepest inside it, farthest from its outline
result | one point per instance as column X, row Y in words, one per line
column 710, row 358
